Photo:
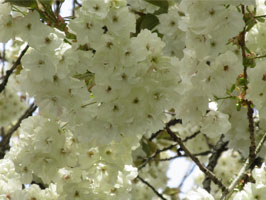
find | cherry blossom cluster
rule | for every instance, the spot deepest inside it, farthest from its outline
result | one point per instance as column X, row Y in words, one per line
column 118, row 72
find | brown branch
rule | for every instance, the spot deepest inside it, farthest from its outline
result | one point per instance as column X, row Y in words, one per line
column 4, row 144
column 3, row 58
column 189, row 172
column 57, row 7
column 242, row 43
column 2, row 132
column 73, row 8
column 10, row 71
column 253, row 150
column 151, row 187
column 156, row 134
column 243, row 170
column 252, row 147
column 219, row 148
column 180, row 156
column 79, row 5
column 147, row 160
column 173, row 122
column 191, row 136
column 206, row 171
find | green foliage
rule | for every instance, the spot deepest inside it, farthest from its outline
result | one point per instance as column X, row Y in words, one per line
column 163, row 4
column 148, row 147
column 249, row 62
column 148, row 21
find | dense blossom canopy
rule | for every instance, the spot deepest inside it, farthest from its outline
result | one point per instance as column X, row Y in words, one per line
column 122, row 82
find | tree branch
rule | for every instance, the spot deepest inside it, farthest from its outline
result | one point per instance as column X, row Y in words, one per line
column 147, row 160
column 153, row 189
column 189, row 172
column 253, row 150
column 80, row 5
column 243, row 170
column 73, row 8
column 206, row 171
column 242, row 44
column 154, row 135
column 57, row 8
column 180, row 156
column 219, row 148
column 3, row 58
column 10, row 71
column 252, row 147
column 191, row 136
column 4, row 144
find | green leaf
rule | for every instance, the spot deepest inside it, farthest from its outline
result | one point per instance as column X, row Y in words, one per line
column 88, row 77
column 242, row 81
column 18, row 69
column 238, row 106
column 163, row 4
column 148, row 21
column 247, row 49
column 171, row 191
column 161, row 11
column 261, row 19
column 71, row 36
column 164, row 136
column 249, row 24
column 148, row 147
column 138, row 162
column 159, row 3
column 233, row 88
column 249, row 62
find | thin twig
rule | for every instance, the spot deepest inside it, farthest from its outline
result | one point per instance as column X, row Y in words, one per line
column 10, row 71
column 151, row 187
column 153, row 157
column 243, row 170
column 262, row 56
column 189, row 172
column 2, row 132
column 4, row 144
column 180, row 156
column 253, row 150
column 57, row 8
column 191, row 136
column 79, row 4
column 154, row 135
column 219, row 148
column 195, row 159
column 259, row 16
column 147, row 160
column 3, row 57
column 73, row 8
column 252, row 146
